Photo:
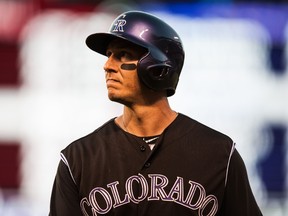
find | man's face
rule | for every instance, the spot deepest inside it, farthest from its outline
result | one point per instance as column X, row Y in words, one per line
column 120, row 68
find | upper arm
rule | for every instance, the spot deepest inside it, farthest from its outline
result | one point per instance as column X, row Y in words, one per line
column 238, row 199
column 65, row 198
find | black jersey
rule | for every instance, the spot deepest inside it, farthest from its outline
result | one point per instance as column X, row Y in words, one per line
column 191, row 170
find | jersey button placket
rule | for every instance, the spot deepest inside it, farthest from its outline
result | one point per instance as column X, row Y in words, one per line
column 142, row 148
column 147, row 165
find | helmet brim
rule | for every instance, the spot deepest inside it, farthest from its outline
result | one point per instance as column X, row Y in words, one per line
column 99, row 42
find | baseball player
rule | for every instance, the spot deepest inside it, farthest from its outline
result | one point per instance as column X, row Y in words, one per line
column 151, row 160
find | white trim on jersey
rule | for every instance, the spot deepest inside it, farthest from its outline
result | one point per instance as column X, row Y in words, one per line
column 227, row 169
column 63, row 158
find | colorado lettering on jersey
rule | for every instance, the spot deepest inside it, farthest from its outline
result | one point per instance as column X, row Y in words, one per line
column 196, row 198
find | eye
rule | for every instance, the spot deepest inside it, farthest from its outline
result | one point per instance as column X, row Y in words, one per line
column 108, row 53
column 122, row 54
column 125, row 56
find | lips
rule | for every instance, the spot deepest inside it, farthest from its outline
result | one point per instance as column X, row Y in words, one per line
column 112, row 82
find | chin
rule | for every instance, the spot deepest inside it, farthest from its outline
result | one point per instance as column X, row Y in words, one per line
column 114, row 97
column 118, row 99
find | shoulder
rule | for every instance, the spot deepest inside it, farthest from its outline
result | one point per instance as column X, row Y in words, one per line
column 90, row 141
column 196, row 136
column 88, row 149
column 201, row 131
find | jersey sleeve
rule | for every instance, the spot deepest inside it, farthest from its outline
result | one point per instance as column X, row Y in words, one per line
column 238, row 199
column 64, row 197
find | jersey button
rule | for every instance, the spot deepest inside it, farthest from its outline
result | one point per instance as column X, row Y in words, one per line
column 142, row 148
column 147, row 165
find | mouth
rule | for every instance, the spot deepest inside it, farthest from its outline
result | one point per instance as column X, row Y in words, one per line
column 111, row 82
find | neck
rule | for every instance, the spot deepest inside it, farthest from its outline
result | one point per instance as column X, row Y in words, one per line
column 147, row 120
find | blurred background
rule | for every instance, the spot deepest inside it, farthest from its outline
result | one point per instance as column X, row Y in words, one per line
column 52, row 88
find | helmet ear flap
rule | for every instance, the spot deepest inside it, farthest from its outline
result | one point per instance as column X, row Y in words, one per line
column 158, row 72
column 157, row 75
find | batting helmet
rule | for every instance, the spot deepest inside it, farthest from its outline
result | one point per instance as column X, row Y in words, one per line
column 160, row 67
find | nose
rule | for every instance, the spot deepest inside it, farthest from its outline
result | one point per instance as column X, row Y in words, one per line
column 110, row 65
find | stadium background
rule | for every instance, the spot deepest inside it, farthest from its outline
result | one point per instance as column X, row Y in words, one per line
column 52, row 88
